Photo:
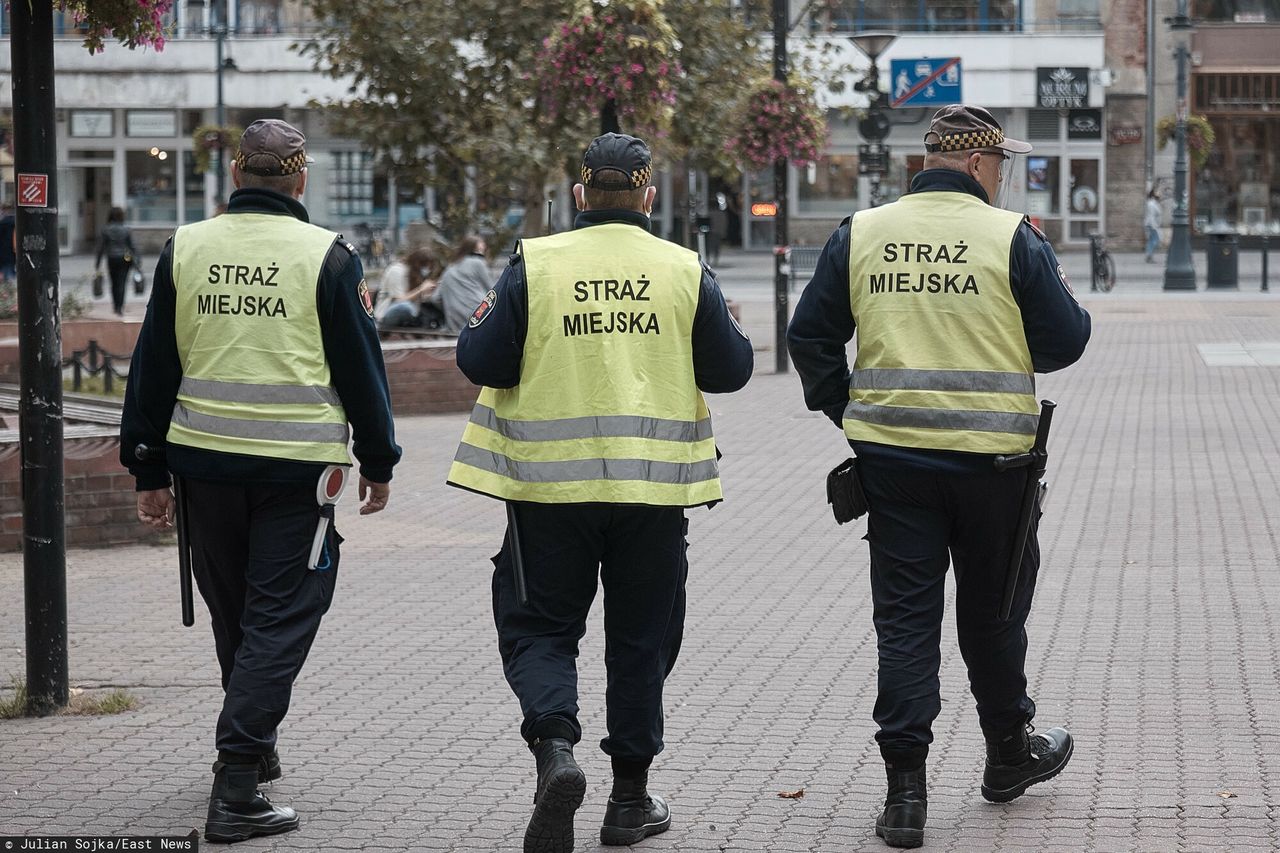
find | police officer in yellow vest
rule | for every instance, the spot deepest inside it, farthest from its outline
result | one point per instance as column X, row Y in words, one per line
column 594, row 348
column 257, row 359
column 957, row 304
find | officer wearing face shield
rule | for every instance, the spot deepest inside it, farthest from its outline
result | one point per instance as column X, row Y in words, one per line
column 957, row 304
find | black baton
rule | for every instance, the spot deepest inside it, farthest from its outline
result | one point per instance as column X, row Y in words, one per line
column 517, row 555
column 153, row 454
column 1036, row 459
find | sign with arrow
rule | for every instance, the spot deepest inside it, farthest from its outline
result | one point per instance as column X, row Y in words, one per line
column 924, row 82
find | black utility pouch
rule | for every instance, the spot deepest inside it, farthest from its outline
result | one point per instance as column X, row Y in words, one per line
column 844, row 492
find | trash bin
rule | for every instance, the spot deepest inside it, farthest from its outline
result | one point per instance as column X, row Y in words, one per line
column 1224, row 259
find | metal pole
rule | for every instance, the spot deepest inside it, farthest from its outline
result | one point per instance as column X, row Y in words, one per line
column 219, row 168
column 780, row 238
column 1149, row 132
column 40, row 342
column 1265, row 286
column 1179, row 273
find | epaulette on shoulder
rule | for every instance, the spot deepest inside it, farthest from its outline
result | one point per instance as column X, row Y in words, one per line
column 1027, row 221
column 338, row 257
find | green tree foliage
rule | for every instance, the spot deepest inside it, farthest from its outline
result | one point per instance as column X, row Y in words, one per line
column 441, row 88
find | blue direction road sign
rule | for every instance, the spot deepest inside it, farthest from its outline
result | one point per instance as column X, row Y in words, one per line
column 924, row 82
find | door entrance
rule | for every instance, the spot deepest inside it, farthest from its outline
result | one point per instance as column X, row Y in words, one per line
column 88, row 189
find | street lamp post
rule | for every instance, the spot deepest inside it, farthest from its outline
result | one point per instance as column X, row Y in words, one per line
column 1179, row 273
column 221, row 64
column 781, row 270
column 874, row 126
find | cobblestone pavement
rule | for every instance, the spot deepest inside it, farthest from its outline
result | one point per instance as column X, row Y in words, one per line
column 1154, row 638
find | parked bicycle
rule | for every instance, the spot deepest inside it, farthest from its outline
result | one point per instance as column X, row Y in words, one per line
column 1101, row 266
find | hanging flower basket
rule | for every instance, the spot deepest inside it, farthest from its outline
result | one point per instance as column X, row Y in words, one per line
column 778, row 122
column 207, row 139
column 133, row 23
column 1200, row 137
column 622, row 52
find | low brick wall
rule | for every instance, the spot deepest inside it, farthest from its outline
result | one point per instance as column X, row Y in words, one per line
column 101, row 505
column 115, row 336
column 425, row 379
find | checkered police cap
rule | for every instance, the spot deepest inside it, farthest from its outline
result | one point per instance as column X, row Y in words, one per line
column 616, row 162
column 963, row 128
column 272, row 147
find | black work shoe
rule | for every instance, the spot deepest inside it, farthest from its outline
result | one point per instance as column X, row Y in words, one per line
column 238, row 812
column 269, row 767
column 632, row 814
column 561, row 787
column 901, row 824
column 1018, row 761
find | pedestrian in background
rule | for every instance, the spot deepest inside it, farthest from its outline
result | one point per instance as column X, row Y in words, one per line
column 115, row 243
column 956, row 304
column 463, row 285
column 257, row 360
column 1151, row 223
column 595, row 348
column 405, row 284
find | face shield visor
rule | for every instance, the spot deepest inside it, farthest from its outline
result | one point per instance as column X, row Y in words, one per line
column 1007, row 166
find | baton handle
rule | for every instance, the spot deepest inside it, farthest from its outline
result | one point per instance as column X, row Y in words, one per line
column 1036, row 460
column 517, row 555
column 145, row 453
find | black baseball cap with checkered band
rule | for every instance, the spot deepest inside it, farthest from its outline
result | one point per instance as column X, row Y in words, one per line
column 272, row 147
column 963, row 128
column 615, row 162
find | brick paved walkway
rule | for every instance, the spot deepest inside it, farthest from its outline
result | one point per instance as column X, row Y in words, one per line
column 1154, row 638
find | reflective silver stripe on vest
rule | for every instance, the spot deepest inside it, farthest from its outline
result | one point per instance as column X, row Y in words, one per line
column 904, row 416
column 569, row 470
column 601, row 426
column 903, row 379
column 240, row 392
column 264, row 430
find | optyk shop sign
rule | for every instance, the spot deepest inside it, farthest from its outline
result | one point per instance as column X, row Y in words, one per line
column 1062, row 88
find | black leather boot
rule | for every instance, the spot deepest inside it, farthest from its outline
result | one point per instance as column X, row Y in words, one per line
column 633, row 814
column 238, row 812
column 906, row 806
column 269, row 767
column 1017, row 760
column 561, row 786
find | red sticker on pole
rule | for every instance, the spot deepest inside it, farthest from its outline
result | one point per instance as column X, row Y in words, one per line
column 33, row 190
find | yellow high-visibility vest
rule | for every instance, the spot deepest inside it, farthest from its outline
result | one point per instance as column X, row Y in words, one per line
column 942, row 357
column 255, row 380
column 607, row 408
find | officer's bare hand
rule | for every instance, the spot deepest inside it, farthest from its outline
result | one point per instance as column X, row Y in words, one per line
column 374, row 495
column 155, row 508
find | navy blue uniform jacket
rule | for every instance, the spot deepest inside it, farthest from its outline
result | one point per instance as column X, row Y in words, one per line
column 1056, row 327
column 350, row 345
column 490, row 353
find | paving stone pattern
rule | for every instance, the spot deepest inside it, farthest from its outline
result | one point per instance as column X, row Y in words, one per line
column 1154, row 638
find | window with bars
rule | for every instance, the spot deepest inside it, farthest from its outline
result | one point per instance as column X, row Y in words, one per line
column 1237, row 93
column 352, row 184
column 1044, row 124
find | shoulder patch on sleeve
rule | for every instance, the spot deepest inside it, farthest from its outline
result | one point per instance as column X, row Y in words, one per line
column 1062, row 277
column 483, row 309
column 1038, row 233
column 366, row 299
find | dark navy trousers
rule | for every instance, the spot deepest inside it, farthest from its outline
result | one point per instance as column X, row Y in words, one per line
column 250, row 545
column 638, row 554
column 919, row 520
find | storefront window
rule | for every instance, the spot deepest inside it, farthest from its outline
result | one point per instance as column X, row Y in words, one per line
column 352, row 186
column 830, row 185
column 152, row 185
column 193, row 188
column 1240, row 185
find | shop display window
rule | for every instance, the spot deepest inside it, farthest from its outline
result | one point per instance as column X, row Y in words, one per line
column 829, row 185
column 152, row 185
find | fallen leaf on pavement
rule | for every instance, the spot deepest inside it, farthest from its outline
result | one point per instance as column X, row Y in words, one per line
column 792, row 795
column 1226, row 795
